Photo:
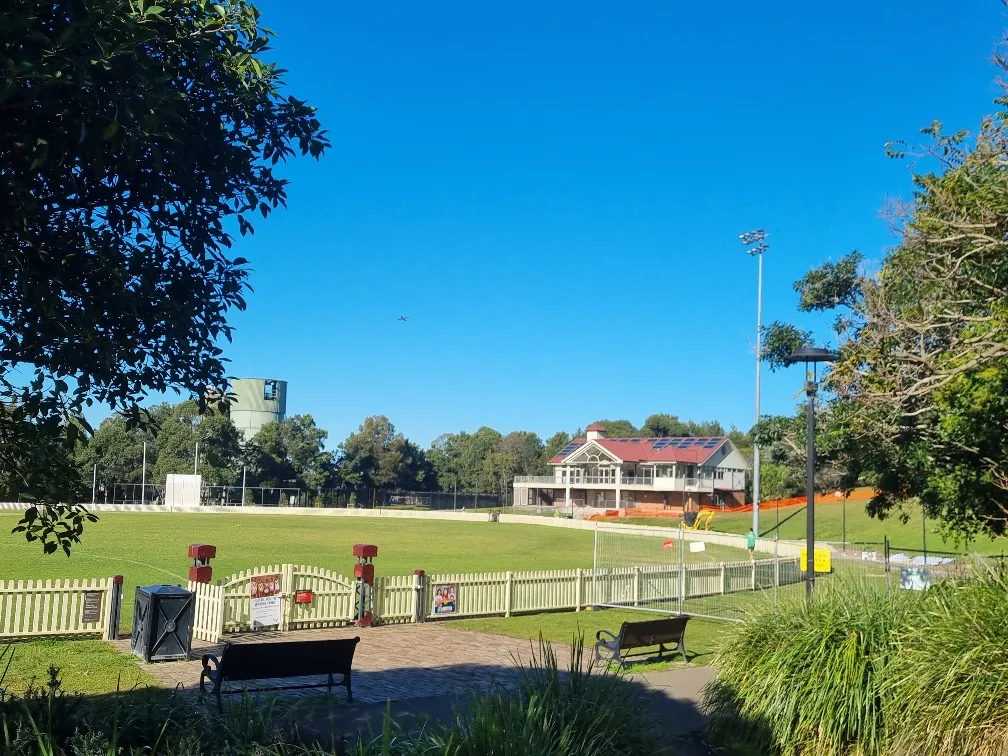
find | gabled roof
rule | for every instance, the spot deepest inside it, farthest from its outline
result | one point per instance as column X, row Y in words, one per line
column 596, row 427
column 691, row 450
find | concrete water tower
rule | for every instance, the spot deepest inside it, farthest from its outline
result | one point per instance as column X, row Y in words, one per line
column 257, row 401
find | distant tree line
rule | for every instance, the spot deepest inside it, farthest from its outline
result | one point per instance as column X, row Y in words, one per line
column 292, row 453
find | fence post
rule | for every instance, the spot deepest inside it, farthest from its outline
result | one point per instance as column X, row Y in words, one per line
column 578, row 598
column 776, row 572
column 723, row 580
column 286, row 596
column 507, row 594
column 636, row 585
column 114, row 604
column 753, row 568
column 221, row 612
column 419, row 579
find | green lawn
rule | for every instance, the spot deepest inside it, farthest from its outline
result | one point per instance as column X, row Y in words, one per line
column 861, row 527
column 561, row 627
column 85, row 666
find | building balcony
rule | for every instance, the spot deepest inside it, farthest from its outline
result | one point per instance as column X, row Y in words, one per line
column 608, row 482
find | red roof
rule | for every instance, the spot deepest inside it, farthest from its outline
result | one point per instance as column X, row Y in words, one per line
column 689, row 450
column 596, row 427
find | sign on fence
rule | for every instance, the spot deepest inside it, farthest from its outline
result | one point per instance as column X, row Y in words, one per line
column 445, row 597
column 914, row 578
column 264, row 608
column 91, row 611
column 820, row 560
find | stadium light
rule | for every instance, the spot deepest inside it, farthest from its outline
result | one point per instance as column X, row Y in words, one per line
column 755, row 241
column 811, row 356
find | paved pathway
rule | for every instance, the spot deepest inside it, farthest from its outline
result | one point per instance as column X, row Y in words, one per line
column 426, row 670
column 392, row 662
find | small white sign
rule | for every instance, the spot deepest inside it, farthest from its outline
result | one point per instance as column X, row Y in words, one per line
column 697, row 546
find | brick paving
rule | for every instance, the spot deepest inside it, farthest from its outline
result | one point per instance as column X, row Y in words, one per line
column 391, row 663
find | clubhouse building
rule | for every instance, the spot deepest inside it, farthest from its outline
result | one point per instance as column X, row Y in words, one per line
column 668, row 474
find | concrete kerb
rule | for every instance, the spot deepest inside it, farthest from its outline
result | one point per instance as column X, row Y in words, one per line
column 765, row 545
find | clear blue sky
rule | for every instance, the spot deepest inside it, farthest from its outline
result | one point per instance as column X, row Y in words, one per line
column 552, row 192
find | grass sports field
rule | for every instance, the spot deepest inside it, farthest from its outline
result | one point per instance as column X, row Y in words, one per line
column 860, row 528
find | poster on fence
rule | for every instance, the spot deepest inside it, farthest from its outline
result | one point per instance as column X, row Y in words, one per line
column 265, row 609
column 444, row 598
column 914, row 579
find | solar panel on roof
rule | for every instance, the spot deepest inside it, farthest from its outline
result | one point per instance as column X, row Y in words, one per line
column 711, row 443
column 686, row 443
column 569, row 448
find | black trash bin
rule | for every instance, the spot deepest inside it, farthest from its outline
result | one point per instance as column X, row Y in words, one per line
column 163, row 622
column 689, row 518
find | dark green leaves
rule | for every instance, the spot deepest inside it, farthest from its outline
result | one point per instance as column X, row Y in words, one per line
column 130, row 137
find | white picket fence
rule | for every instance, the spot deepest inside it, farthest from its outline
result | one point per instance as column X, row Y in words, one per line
column 226, row 607
column 60, row 607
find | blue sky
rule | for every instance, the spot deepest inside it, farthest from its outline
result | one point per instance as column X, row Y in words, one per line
column 552, row 192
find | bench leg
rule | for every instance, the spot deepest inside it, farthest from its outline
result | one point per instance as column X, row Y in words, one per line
column 349, row 690
column 329, row 685
column 682, row 650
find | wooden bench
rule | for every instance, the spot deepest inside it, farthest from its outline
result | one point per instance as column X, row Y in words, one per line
column 241, row 662
column 642, row 635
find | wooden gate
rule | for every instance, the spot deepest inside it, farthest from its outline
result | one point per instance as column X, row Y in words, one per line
column 309, row 597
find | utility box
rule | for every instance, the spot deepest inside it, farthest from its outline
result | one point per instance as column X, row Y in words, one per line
column 163, row 622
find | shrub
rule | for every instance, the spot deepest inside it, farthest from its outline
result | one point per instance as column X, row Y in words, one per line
column 948, row 683
column 807, row 677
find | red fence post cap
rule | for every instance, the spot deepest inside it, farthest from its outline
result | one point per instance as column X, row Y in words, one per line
column 202, row 551
column 117, row 579
column 364, row 550
column 419, row 573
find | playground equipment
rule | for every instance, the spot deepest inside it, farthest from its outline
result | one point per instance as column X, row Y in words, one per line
column 698, row 520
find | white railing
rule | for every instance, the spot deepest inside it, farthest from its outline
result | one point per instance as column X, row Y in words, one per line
column 538, row 479
column 60, row 607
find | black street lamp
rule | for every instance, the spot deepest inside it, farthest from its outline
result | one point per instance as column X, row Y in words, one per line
column 811, row 356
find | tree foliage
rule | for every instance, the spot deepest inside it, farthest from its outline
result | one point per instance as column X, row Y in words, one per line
column 376, row 456
column 921, row 389
column 131, row 137
column 292, row 453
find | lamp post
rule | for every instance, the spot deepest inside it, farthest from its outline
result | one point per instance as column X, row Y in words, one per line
column 755, row 243
column 811, row 356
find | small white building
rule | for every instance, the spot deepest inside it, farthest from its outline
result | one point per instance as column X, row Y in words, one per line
column 644, row 473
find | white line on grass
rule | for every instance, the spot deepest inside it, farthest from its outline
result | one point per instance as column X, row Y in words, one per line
column 139, row 564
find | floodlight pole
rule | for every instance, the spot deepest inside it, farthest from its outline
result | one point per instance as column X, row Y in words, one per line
column 755, row 242
column 143, row 475
column 759, row 365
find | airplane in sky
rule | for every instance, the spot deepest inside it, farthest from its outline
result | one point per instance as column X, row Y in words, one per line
column 403, row 318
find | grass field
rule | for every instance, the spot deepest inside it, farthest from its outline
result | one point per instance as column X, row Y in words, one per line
column 148, row 549
column 561, row 627
column 861, row 527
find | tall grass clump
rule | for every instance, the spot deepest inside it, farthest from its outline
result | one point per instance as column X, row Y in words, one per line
column 580, row 712
column 808, row 676
column 948, row 683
